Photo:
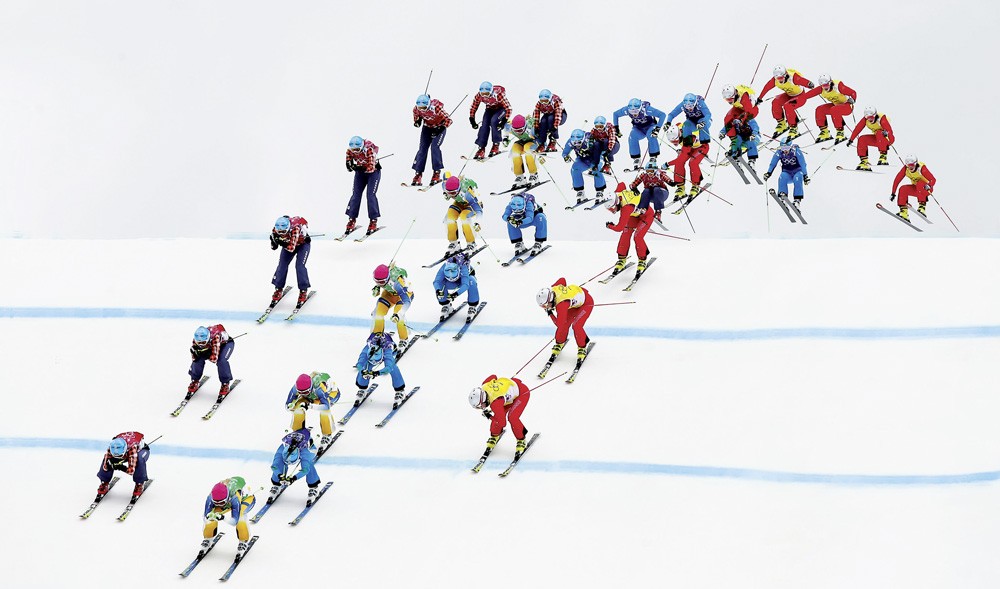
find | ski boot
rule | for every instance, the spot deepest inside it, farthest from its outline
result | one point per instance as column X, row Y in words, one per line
column 204, row 547
column 436, row 177
column 580, row 197
column 311, row 496
column 797, row 203
column 276, row 296
column 518, row 182
column 401, row 346
column 273, row 493
column 599, row 196
column 825, row 135
column 556, row 349
column 657, row 216
column 480, row 155
column 372, row 226
column 192, row 387
column 242, row 549
column 453, row 247
column 472, row 311
column 864, row 165
column 780, row 128
column 470, row 247
column 139, row 488
column 491, row 442
column 695, row 190
column 904, row 213
column 635, row 163
column 417, row 180
column 620, row 264
column 606, row 168
column 883, row 158
column 446, row 310
column 840, row 136
column 537, row 247
column 641, row 267
column 679, row 192
column 350, row 225
column 551, row 147
column 752, row 161
column 303, row 295
column 223, row 391
column 361, row 395
column 495, row 149
column 326, row 440
column 397, row 399
column 519, row 249
column 519, row 449
column 922, row 208
column 103, row 489
column 793, row 131
column 532, row 179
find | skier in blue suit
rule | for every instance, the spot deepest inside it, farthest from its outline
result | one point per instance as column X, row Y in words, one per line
column 296, row 449
column 697, row 117
column 646, row 123
column 455, row 278
column 746, row 139
column 793, row 169
column 522, row 212
column 379, row 349
column 589, row 154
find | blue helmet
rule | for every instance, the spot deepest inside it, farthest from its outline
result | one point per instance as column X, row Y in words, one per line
column 423, row 101
column 600, row 121
column 634, row 106
column 545, row 95
column 690, row 98
column 786, row 143
column 356, row 143
column 291, row 455
column 201, row 335
column 118, row 447
column 486, row 88
column 452, row 270
column 651, row 167
column 517, row 203
column 576, row 137
column 282, row 224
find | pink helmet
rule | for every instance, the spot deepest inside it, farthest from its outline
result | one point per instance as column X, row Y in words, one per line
column 381, row 274
column 517, row 122
column 452, row 184
column 303, row 383
column 220, row 492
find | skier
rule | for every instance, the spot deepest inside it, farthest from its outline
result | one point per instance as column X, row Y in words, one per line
column 697, row 117
column 655, row 185
column 549, row 115
column 230, row 496
column 589, row 156
column 745, row 138
column 605, row 142
column 523, row 132
column 692, row 152
column 379, row 349
column 839, row 99
column 502, row 400
column 567, row 306
column 126, row 453
column 390, row 287
column 432, row 115
column 314, row 389
column 495, row 116
column 522, row 212
column 453, row 279
column 464, row 209
column 632, row 224
column 881, row 138
column 783, row 107
column 291, row 234
column 212, row 344
column 793, row 169
column 297, row 448
column 921, row 185
column 361, row 159
column 740, row 98
column 646, row 123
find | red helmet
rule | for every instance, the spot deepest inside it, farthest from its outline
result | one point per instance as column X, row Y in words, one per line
column 220, row 493
column 303, row 384
column 381, row 274
column 452, row 185
column 518, row 123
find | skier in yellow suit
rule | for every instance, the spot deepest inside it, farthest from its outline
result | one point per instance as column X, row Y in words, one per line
column 390, row 287
column 464, row 208
column 314, row 388
column 230, row 496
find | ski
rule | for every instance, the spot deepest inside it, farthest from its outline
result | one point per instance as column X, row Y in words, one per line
column 843, row 169
column 396, row 407
column 524, row 188
column 187, row 397
column 357, row 403
column 533, row 255
column 579, row 203
column 267, row 504
column 346, row 234
column 238, row 560
column 897, row 217
column 429, row 186
column 468, row 255
column 409, row 344
column 131, row 504
column 781, row 203
column 511, row 261
column 299, row 305
column 197, row 560
column 267, row 312
column 517, row 457
column 483, row 159
column 749, row 168
column 660, row 223
column 218, row 402
column 548, row 365
column 98, row 499
column 614, row 273
column 408, row 185
column 739, row 170
column 440, row 323
column 597, row 203
column 638, row 275
column 795, row 209
column 580, row 361
column 323, row 449
column 921, row 215
column 367, row 235
column 482, row 459
column 468, row 321
column 690, row 199
column 309, row 506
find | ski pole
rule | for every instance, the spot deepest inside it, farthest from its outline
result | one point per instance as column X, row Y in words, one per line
column 610, row 304
column 598, row 274
column 236, row 336
column 759, row 61
column 487, row 244
column 554, row 183
column 428, row 84
column 535, row 356
column 664, row 235
column 547, row 382
column 457, row 105
column 713, row 78
column 384, row 156
column 157, row 438
column 401, row 242
column 945, row 212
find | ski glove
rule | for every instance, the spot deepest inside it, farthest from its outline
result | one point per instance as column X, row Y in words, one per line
column 506, row 141
column 416, row 123
column 350, row 167
column 885, row 134
column 758, row 102
column 805, row 180
column 501, row 123
column 394, row 318
column 214, row 516
column 472, row 121
column 850, row 100
column 892, row 197
column 618, row 132
column 452, row 296
column 850, row 142
column 375, row 290
column 567, row 159
column 656, row 130
column 609, row 225
column 767, row 175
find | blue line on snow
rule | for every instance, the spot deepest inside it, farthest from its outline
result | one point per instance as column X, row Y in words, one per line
column 862, row 333
column 571, row 466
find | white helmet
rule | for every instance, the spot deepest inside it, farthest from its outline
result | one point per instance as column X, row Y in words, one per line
column 673, row 134
column 824, row 79
column 477, row 398
column 910, row 159
column 728, row 91
column 544, row 297
column 780, row 71
column 870, row 111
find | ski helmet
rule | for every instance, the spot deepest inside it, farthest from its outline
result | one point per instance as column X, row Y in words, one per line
column 304, row 384
column 375, row 354
column 518, row 123
column 452, row 185
column 423, row 101
column 356, row 143
column 478, row 398
column 201, row 335
column 600, row 121
column 690, row 99
column 544, row 297
column 517, row 203
column 673, row 134
column 381, row 274
column 486, row 88
column 291, row 454
column 545, row 95
column 871, row 112
column 786, row 143
column 650, row 167
column 780, row 71
column 451, row 271
column 910, row 160
column 117, row 447
column 576, row 137
column 729, row 92
column 220, row 492
column 634, row 106
column 282, row 225
column 824, row 79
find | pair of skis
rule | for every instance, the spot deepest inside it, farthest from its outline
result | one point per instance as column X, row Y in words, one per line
column 597, row 202
column 524, row 260
column 218, row 402
column 188, row 396
column 360, row 239
column 215, row 406
column 743, row 168
column 232, row 568
column 274, row 303
column 517, row 457
column 421, row 187
column 368, row 393
column 271, row 500
column 468, row 255
column 128, row 508
column 843, row 169
column 787, row 207
column 576, row 369
column 520, row 189
column 901, row 219
column 689, row 200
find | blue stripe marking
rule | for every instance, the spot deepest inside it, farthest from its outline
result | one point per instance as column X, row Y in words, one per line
column 551, row 466
column 857, row 333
